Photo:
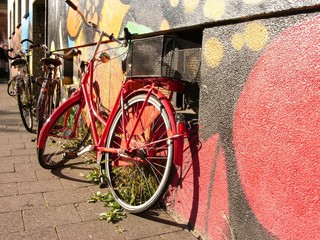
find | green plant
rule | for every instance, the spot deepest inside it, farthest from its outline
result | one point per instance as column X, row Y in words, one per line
column 94, row 175
column 116, row 212
column 135, row 185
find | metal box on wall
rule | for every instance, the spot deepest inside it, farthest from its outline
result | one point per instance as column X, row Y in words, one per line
column 164, row 56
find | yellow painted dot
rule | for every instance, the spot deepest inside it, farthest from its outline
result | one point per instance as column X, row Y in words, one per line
column 255, row 36
column 174, row 3
column 253, row 1
column 237, row 41
column 190, row 5
column 213, row 52
column 214, row 9
column 164, row 25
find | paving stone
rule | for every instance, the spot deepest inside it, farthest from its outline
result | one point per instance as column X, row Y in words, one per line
column 16, row 159
column 44, row 174
column 23, row 152
column 157, row 238
column 8, row 189
column 39, row 186
column 3, row 140
column 18, row 203
column 150, row 224
column 29, row 144
column 91, row 211
column 17, row 177
column 41, row 234
column 6, row 167
column 90, row 230
column 58, row 198
column 11, row 146
column 45, row 217
column 11, row 222
column 183, row 234
column 73, row 180
column 5, row 153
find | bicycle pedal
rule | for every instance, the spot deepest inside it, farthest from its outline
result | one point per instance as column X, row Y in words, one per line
column 34, row 139
column 70, row 155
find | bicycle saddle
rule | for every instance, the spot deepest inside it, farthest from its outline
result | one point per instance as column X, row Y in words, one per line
column 48, row 61
column 17, row 62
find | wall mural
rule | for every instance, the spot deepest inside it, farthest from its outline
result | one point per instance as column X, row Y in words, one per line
column 256, row 175
column 251, row 171
column 24, row 31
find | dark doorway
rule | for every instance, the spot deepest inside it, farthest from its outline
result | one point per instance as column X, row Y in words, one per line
column 38, row 34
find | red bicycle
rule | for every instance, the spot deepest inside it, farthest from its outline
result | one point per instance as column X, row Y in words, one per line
column 142, row 136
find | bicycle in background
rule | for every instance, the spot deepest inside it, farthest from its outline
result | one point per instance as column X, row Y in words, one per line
column 142, row 136
column 22, row 86
column 50, row 93
column 36, row 98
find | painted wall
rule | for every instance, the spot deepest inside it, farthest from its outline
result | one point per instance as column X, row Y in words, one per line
column 252, row 170
column 256, row 175
column 19, row 26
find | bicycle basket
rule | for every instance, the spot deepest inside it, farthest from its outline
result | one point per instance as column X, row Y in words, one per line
column 158, row 57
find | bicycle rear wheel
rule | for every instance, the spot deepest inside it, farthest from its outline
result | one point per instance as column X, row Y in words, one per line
column 49, row 99
column 25, row 105
column 42, row 108
column 138, row 179
column 66, row 136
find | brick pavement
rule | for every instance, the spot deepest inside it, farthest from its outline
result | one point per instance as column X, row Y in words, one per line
column 39, row 204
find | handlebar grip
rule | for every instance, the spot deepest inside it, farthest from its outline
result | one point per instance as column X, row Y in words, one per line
column 8, row 56
column 72, row 5
column 26, row 40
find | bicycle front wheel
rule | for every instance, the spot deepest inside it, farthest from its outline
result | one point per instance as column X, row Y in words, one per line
column 138, row 178
column 25, row 105
column 65, row 138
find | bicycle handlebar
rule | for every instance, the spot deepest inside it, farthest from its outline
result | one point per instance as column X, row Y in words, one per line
column 26, row 40
column 72, row 5
column 72, row 53
column 11, row 58
column 20, row 54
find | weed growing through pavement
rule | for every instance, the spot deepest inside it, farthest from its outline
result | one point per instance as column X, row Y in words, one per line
column 116, row 213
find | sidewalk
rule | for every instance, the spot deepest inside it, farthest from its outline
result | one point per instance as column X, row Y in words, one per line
column 39, row 204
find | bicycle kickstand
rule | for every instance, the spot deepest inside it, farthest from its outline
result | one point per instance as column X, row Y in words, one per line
column 102, row 183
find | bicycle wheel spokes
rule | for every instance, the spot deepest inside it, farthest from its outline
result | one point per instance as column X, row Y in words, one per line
column 64, row 139
column 138, row 179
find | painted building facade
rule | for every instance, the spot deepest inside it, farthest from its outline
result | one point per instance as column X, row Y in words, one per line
column 252, row 171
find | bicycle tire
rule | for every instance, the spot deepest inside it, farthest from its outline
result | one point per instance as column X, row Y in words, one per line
column 25, row 106
column 41, row 106
column 140, row 179
column 66, row 135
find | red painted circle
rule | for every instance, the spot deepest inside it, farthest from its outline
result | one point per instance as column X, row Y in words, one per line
column 277, row 134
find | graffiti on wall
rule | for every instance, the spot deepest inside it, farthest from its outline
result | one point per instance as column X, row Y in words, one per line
column 260, row 136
